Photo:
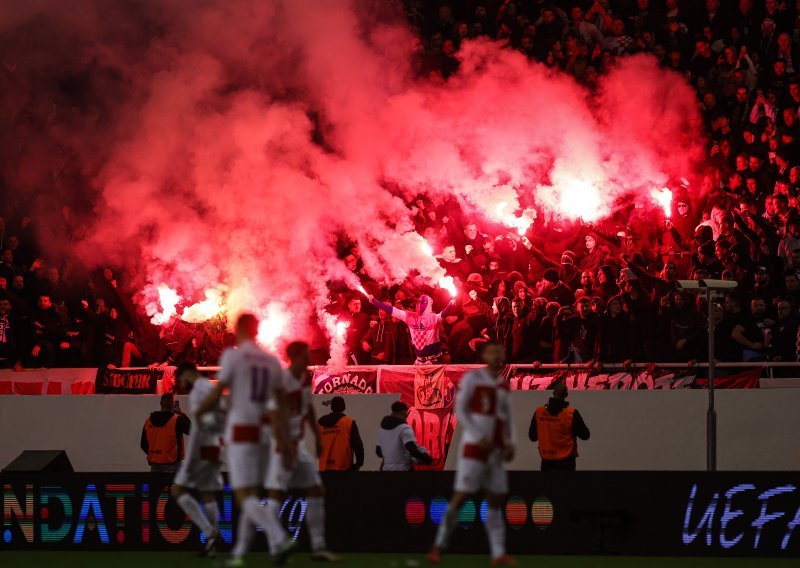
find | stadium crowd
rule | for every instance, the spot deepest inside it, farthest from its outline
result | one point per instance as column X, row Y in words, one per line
column 564, row 292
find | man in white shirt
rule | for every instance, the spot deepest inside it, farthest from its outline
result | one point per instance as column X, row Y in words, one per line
column 200, row 470
column 397, row 445
column 483, row 409
column 256, row 404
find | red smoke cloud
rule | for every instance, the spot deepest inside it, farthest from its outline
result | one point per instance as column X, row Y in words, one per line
column 222, row 143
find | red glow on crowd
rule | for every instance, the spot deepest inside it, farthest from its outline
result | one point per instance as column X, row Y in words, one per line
column 260, row 184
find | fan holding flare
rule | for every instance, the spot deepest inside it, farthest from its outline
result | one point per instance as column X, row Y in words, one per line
column 424, row 326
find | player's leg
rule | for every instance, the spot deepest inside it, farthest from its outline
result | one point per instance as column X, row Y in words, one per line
column 447, row 526
column 276, row 483
column 211, row 507
column 450, row 519
column 209, row 483
column 250, row 510
column 245, row 531
column 246, row 475
column 274, row 501
column 251, row 506
column 211, row 510
column 469, row 479
column 305, row 476
column 496, row 496
column 192, row 508
column 496, row 529
column 266, row 518
column 315, row 519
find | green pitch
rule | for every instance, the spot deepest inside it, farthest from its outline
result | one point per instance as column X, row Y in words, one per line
column 183, row 560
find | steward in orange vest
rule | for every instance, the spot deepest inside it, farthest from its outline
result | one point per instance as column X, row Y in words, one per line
column 340, row 439
column 556, row 427
column 162, row 436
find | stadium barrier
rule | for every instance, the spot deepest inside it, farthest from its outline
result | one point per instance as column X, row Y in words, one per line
column 631, row 430
column 680, row 513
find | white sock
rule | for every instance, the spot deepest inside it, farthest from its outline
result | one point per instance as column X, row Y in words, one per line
column 267, row 519
column 245, row 531
column 275, row 533
column 446, row 527
column 192, row 508
column 212, row 513
column 315, row 520
column 496, row 531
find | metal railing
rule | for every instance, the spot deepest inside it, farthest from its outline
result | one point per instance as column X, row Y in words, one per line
column 768, row 366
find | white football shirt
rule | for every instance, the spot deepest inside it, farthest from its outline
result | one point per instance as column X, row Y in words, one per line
column 253, row 376
column 298, row 398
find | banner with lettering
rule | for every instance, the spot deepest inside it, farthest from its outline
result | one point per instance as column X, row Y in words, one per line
column 344, row 382
column 651, row 378
column 525, row 378
column 116, row 381
column 430, row 394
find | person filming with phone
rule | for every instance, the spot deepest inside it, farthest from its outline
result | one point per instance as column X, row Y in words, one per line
column 162, row 436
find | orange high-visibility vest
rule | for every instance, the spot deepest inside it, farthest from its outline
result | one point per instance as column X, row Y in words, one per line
column 162, row 441
column 556, row 441
column 337, row 455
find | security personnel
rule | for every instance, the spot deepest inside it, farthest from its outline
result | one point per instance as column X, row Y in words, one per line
column 341, row 441
column 556, row 426
column 162, row 436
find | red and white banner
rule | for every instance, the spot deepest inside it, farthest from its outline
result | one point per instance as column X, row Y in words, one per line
column 432, row 385
column 47, row 381
column 650, row 378
column 430, row 393
column 522, row 378
column 344, row 382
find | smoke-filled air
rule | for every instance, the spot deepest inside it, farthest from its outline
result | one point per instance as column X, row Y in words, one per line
column 219, row 154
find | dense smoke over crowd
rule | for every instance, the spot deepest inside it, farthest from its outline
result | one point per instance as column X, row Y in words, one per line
column 222, row 151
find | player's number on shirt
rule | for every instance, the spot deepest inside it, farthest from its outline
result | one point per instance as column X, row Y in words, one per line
column 486, row 403
column 259, row 381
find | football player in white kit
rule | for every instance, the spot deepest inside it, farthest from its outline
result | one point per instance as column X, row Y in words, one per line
column 200, row 470
column 303, row 474
column 254, row 379
column 483, row 409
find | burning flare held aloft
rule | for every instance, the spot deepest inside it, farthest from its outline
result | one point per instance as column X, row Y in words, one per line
column 164, row 309
column 449, row 284
column 207, row 309
column 272, row 326
column 521, row 223
column 663, row 198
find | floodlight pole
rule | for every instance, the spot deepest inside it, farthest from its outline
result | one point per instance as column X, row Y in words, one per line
column 709, row 287
column 711, row 415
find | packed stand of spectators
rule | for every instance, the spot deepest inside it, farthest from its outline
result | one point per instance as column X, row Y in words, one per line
column 565, row 291
column 63, row 316
column 571, row 292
